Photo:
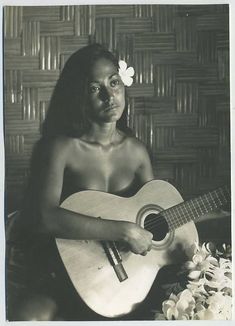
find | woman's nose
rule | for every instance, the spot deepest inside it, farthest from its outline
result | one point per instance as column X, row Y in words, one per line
column 107, row 94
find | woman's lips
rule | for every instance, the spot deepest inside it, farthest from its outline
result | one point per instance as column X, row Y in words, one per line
column 110, row 108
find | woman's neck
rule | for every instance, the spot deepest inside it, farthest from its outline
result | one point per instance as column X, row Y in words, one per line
column 103, row 134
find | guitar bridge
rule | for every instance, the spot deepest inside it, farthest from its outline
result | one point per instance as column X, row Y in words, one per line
column 115, row 259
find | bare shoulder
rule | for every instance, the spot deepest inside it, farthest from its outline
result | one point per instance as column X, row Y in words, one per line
column 59, row 147
column 141, row 159
column 137, row 146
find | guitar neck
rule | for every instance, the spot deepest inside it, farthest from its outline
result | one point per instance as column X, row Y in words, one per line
column 193, row 209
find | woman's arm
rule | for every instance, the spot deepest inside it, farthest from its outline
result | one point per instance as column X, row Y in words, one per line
column 63, row 223
column 145, row 170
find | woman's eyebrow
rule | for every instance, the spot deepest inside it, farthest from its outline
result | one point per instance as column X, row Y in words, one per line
column 115, row 74
column 97, row 82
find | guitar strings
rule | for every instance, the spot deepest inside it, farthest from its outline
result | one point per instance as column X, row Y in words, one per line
column 185, row 214
column 180, row 218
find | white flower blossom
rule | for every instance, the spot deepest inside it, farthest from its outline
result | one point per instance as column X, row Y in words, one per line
column 209, row 291
column 202, row 262
column 125, row 73
column 179, row 306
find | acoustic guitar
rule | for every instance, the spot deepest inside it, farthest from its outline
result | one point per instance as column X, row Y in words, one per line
column 112, row 281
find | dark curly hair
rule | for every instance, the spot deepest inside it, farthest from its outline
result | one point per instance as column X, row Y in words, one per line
column 67, row 110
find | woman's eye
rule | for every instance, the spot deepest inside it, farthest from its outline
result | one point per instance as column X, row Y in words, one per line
column 115, row 82
column 94, row 89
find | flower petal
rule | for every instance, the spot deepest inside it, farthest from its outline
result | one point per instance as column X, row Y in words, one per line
column 122, row 65
column 194, row 274
column 189, row 265
column 172, row 312
column 130, row 71
column 127, row 80
column 182, row 304
column 166, row 305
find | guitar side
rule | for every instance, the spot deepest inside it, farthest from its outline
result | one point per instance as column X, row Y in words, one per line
column 86, row 262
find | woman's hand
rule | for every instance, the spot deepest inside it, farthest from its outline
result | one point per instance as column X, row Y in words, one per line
column 138, row 239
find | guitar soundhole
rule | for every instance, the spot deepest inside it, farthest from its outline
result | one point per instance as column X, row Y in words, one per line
column 156, row 224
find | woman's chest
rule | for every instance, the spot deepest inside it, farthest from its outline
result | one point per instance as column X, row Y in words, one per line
column 113, row 172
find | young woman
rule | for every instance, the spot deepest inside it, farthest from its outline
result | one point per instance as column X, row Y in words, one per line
column 85, row 145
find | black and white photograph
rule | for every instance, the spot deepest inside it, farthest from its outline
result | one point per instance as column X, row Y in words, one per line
column 117, row 142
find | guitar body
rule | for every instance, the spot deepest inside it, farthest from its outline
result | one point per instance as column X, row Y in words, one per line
column 86, row 261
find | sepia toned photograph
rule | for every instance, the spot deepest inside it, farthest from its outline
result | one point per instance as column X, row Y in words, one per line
column 117, row 162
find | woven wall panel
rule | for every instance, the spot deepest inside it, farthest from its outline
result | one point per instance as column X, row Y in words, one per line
column 84, row 20
column 25, row 127
column 105, row 32
column 197, row 11
column 186, row 34
column 56, row 28
column 200, row 73
column 187, row 97
column 30, row 103
column 41, row 13
column 141, row 11
column 164, row 80
column 114, row 11
column 195, row 137
column 141, row 90
column 215, row 21
column 13, row 82
column 17, row 62
column 164, row 18
column 134, row 26
column 176, row 58
column 70, row 44
column 13, row 46
column 155, row 41
column 49, row 53
column 31, row 38
column 15, row 144
column 178, row 104
column 154, row 104
column 144, row 67
column 40, row 78
column 13, row 22
column 13, row 111
column 207, row 112
column 67, row 13
column 207, row 47
column 125, row 46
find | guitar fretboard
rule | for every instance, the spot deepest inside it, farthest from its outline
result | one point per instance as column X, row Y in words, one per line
column 193, row 209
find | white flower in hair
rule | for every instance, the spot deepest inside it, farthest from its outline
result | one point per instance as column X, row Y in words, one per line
column 125, row 73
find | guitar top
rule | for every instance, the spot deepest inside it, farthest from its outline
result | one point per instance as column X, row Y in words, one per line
column 159, row 208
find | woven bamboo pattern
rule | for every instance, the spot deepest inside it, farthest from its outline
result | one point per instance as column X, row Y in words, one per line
column 178, row 104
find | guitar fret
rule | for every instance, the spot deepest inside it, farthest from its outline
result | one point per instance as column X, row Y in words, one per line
column 223, row 195
column 184, row 215
column 190, row 208
column 205, row 208
column 194, row 208
column 206, row 197
column 217, row 199
column 167, row 216
column 172, row 218
column 179, row 214
column 176, row 218
column 213, row 201
column 220, row 202
column 198, row 207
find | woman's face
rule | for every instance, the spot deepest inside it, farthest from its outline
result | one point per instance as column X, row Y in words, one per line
column 106, row 92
